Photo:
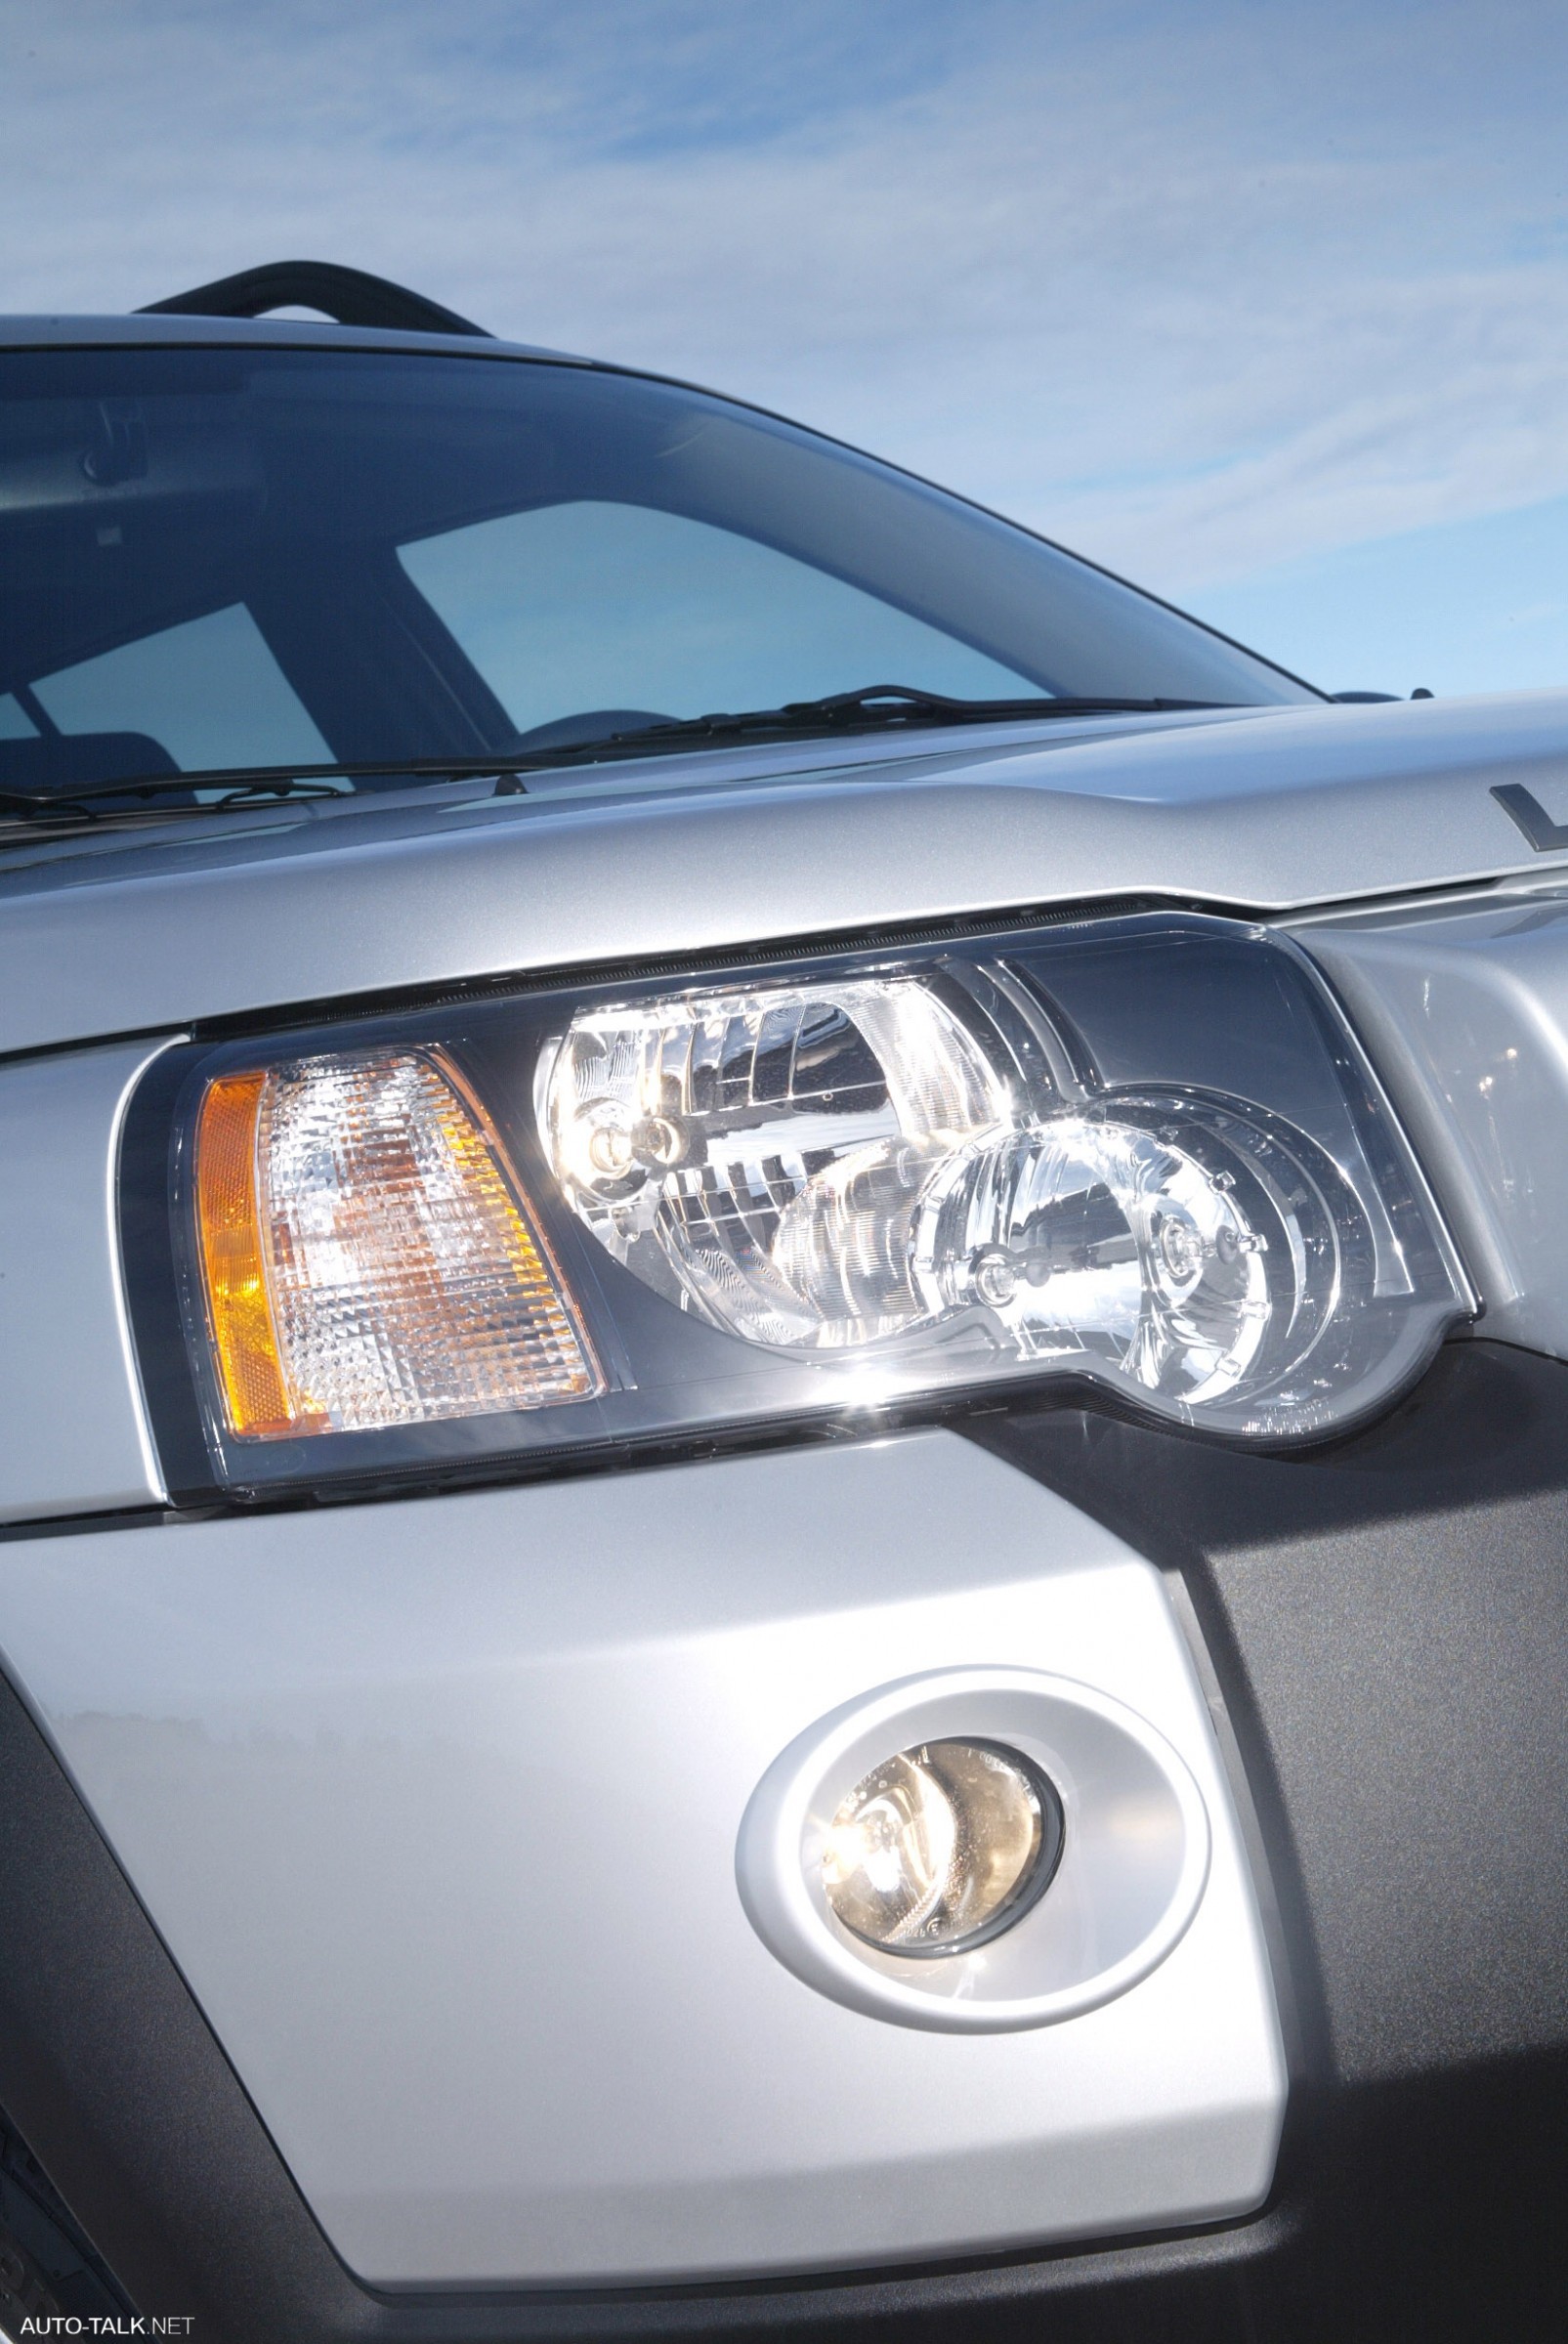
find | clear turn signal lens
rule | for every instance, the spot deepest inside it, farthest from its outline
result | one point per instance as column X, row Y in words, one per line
column 942, row 1847
column 366, row 1259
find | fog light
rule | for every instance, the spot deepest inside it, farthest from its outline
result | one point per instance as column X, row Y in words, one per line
column 942, row 1847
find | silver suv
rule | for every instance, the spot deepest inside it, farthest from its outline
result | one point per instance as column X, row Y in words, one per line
column 787, row 1504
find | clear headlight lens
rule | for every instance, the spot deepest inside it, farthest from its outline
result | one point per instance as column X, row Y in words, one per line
column 846, row 1170
column 1144, row 1155
column 752, row 1153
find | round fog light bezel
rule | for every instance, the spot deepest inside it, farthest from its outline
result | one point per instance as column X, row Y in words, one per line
column 1129, row 1877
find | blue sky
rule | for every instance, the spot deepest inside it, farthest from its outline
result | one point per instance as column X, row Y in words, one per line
column 1264, row 305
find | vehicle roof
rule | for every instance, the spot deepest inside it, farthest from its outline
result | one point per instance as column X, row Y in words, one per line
column 145, row 330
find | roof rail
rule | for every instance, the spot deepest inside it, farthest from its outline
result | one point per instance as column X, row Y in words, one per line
column 350, row 296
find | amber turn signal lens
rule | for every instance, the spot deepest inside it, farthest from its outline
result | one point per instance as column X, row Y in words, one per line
column 368, row 1258
column 255, row 1398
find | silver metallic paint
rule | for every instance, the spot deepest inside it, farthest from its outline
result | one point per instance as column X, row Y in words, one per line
column 435, row 1804
column 1279, row 808
column 72, row 1436
column 1463, row 1006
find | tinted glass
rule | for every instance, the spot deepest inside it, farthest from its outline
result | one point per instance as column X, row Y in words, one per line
column 236, row 558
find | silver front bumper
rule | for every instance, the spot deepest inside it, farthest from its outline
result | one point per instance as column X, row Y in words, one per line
column 436, row 1806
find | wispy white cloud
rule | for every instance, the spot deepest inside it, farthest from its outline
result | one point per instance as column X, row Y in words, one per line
column 1198, row 289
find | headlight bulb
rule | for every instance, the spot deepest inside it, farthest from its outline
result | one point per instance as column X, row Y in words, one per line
column 942, row 1847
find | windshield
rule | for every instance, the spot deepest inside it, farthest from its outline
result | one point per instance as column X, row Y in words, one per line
column 219, row 560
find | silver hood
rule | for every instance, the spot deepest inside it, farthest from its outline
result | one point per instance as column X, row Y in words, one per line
column 131, row 930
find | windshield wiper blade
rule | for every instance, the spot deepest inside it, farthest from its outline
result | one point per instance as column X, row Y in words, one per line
column 873, row 708
column 878, row 707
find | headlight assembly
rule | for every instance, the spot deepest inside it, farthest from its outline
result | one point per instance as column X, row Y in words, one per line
column 1140, row 1156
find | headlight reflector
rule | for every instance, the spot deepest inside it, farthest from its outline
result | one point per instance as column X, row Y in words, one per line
column 689, row 1133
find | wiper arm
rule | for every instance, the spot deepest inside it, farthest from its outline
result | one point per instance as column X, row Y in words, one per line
column 253, row 784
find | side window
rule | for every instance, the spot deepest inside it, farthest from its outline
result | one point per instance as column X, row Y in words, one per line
column 571, row 608
column 208, row 691
column 15, row 722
